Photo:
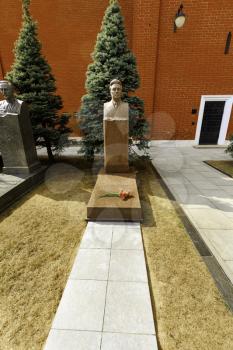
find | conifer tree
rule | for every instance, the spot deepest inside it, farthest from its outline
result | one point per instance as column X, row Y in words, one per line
column 32, row 77
column 229, row 148
column 111, row 59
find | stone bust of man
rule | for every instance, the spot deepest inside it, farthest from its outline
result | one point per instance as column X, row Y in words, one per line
column 11, row 104
column 116, row 109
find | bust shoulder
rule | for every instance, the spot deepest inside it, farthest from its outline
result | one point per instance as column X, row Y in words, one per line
column 119, row 112
column 108, row 104
column 11, row 107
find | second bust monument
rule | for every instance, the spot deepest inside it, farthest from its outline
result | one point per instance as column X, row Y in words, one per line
column 16, row 139
column 116, row 131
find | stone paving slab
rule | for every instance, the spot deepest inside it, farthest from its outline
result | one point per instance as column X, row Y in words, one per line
column 224, row 264
column 81, row 306
column 91, row 264
column 73, row 340
column 206, row 197
column 128, row 265
column 13, row 187
column 127, row 238
column 118, row 341
column 106, row 302
column 97, row 236
column 128, row 308
column 209, row 218
column 222, row 240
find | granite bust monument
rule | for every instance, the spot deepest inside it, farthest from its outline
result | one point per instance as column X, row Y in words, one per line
column 11, row 104
column 116, row 175
column 116, row 109
column 16, row 139
column 116, row 131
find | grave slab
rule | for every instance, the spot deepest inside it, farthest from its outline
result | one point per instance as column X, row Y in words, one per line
column 114, row 208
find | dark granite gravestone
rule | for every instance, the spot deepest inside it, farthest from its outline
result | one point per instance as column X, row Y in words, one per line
column 16, row 139
column 16, row 143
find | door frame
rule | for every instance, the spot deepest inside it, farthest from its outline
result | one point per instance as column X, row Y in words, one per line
column 225, row 118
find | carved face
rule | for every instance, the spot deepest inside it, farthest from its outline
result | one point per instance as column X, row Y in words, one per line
column 7, row 90
column 116, row 91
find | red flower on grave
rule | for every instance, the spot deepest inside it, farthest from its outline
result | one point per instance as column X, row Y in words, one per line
column 124, row 195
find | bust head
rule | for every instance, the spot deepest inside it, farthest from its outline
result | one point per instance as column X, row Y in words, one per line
column 7, row 89
column 115, row 90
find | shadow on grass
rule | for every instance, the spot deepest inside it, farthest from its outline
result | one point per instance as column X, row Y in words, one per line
column 72, row 179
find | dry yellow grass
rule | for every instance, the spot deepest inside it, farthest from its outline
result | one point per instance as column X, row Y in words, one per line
column 39, row 239
column 225, row 166
column 190, row 312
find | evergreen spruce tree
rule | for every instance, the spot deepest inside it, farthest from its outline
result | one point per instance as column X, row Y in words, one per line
column 31, row 75
column 230, row 146
column 111, row 59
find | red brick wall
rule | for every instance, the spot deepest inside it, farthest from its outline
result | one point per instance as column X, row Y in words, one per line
column 175, row 68
column 144, row 46
column 191, row 63
column 67, row 30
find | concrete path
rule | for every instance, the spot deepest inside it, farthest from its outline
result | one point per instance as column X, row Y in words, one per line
column 7, row 182
column 12, row 187
column 106, row 303
column 205, row 194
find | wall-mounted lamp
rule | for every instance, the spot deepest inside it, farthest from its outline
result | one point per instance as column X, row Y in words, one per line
column 179, row 18
column 228, row 43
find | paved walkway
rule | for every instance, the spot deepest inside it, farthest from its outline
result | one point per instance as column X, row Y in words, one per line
column 13, row 187
column 7, row 182
column 106, row 302
column 205, row 194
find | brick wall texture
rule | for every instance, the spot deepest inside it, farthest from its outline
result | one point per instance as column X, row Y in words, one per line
column 176, row 69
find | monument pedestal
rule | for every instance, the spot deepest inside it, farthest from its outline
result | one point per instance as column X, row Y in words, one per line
column 116, row 175
column 114, row 208
column 116, row 146
column 16, row 143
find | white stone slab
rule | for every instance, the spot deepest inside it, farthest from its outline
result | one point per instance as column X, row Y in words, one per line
column 176, row 180
column 209, row 218
column 194, row 201
column 72, row 340
column 128, row 224
column 222, row 241
column 227, row 189
column 125, row 227
column 229, row 214
column 185, row 188
column 128, row 265
column 223, row 181
column 126, row 238
column 92, row 264
column 170, row 174
column 224, row 204
column 204, row 184
column 97, row 236
column 217, row 193
column 118, row 341
column 230, row 269
column 99, row 224
column 128, row 308
column 194, row 176
column 210, row 174
column 81, row 306
column 189, row 171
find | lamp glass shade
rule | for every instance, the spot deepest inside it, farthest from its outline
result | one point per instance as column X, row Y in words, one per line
column 179, row 21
